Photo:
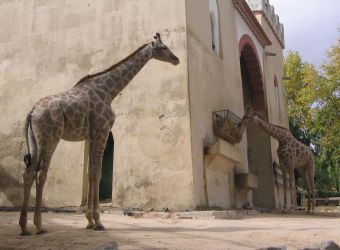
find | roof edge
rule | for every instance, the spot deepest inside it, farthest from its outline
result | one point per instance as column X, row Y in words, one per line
column 248, row 16
column 271, row 26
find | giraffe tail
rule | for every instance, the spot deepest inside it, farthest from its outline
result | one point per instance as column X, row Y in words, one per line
column 30, row 139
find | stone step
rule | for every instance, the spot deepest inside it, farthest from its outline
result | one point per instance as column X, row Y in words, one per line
column 227, row 214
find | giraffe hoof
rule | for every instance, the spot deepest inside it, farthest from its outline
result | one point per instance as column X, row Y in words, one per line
column 26, row 233
column 89, row 226
column 99, row 228
column 41, row 231
column 285, row 211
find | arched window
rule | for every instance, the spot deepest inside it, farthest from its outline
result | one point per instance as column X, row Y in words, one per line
column 277, row 96
column 215, row 30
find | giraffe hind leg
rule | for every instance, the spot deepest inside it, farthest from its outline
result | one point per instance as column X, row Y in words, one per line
column 311, row 174
column 46, row 156
column 313, row 192
column 28, row 160
column 304, row 174
column 292, row 189
column 32, row 164
column 284, row 176
column 28, row 177
column 40, row 181
column 308, row 196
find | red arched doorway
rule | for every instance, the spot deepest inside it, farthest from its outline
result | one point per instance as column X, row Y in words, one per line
column 259, row 147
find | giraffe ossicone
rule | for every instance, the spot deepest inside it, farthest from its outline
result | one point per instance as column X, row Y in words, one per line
column 292, row 155
column 81, row 113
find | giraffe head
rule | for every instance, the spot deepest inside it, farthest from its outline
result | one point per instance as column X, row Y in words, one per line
column 250, row 115
column 161, row 52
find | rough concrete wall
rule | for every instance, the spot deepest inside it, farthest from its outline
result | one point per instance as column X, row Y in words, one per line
column 45, row 47
column 274, row 67
column 217, row 182
column 152, row 161
column 270, row 66
column 215, row 84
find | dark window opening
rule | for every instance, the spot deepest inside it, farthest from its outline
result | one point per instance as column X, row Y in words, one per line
column 105, row 186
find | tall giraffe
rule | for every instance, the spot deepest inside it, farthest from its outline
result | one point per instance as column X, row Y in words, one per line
column 292, row 154
column 81, row 113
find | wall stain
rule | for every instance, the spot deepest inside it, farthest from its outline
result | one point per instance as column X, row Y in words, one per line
column 12, row 151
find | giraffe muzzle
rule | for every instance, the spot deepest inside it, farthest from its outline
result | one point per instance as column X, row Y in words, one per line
column 175, row 61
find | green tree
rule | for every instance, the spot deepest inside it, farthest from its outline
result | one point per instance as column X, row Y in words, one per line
column 313, row 99
column 327, row 118
column 300, row 95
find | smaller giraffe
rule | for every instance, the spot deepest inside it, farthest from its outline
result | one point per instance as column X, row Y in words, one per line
column 292, row 154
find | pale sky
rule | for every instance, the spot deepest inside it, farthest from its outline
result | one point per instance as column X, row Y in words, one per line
column 311, row 26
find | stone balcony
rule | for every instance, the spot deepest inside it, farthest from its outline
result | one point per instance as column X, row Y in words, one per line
column 222, row 156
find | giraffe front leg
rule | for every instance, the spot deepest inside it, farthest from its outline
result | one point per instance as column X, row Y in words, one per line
column 96, row 209
column 284, row 177
column 89, row 204
column 28, row 177
column 98, row 152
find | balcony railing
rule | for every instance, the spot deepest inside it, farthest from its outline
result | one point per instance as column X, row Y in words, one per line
column 226, row 126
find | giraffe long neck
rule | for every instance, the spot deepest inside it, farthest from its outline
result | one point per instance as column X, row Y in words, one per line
column 274, row 131
column 117, row 77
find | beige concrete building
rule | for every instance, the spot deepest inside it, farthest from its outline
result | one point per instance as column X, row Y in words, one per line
column 163, row 151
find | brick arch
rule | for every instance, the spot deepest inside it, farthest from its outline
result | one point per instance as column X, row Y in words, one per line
column 249, row 56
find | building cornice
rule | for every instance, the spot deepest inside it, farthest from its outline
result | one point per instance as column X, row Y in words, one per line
column 281, row 42
column 267, row 12
column 248, row 16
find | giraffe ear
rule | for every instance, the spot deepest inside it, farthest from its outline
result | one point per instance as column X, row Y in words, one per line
column 157, row 37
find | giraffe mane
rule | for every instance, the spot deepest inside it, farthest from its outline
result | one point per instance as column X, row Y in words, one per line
column 271, row 123
column 112, row 67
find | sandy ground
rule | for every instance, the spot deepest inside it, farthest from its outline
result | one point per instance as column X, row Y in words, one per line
column 66, row 231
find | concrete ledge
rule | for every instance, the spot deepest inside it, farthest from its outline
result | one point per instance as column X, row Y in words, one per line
column 201, row 215
column 219, row 164
column 224, row 215
column 222, row 157
column 226, row 150
column 246, row 182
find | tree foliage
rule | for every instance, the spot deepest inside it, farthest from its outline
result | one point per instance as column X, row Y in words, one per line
column 313, row 98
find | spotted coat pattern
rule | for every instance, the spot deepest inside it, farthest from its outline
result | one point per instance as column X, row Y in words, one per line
column 81, row 113
column 292, row 155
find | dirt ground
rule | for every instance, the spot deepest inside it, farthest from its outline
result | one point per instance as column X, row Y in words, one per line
column 66, row 231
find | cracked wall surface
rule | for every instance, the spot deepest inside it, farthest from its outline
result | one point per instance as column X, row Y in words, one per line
column 47, row 46
column 152, row 161
column 163, row 117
